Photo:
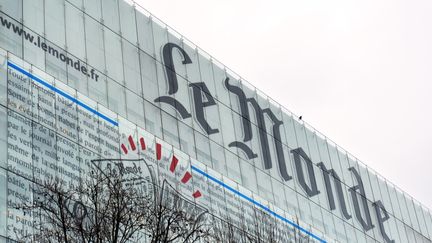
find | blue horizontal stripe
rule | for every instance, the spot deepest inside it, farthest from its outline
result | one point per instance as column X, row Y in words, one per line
column 62, row 93
column 267, row 209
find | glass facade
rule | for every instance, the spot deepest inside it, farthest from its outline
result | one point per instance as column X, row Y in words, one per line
column 89, row 79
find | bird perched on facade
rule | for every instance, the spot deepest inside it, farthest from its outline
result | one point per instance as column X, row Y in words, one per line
column 300, row 117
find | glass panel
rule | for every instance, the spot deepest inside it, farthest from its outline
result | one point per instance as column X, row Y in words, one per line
column 153, row 119
column 361, row 237
column 249, row 179
column 304, row 209
column 56, row 61
column 233, row 202
column 428, row 220
column 135, row 108
column 421, row 219
column 55, row 22
column 75, row 32
column 390, row 225
column 13, row 8
column 3, row 138
column 116, row 97
column 32, row 53
column 33, row 14
column 128, row 131
column 228, row 132
column 219, row 78
column 410, row 234
column 127, row 21
column 264, row 186
column 329, row 226
column 149, row 77
column 110, row 13
column 113, row 55
column 394, row 202
column 98, row 90
column 202, row 148
column 44, row 100
column 66, row 113
column 132, row 68
column 77, row 3
column 200, row 183
column 404, row 208
column 93, row 8
column 217, row 195
column 109, row 147
column 3, row 203
column 233, row 167
column 170, row 130
column 290, row 133
column 145, row 34
column 160, row 38
column 3, row 77
column 8, row 39
column 350, row 233
column 89, row 135
column 94, row 43
column 317, row 219
column 78, row 75
column 292, row 201
column 183, row 96
column 412, row 213
column 186, row 135
column 19, row 92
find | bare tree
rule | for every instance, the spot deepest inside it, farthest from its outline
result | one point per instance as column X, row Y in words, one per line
column 115, row 203
column 225, row 230
column 263, row 230
column 176, row 219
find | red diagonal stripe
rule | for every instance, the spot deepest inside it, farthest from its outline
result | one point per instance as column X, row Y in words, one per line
column 174, row 163
column 132, row 143
column 158, row 151
column 125, row 150
column 196, row 194
column 186, row 177
column 143, row 145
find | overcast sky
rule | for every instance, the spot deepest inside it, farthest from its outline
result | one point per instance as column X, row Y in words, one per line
column 360, row 72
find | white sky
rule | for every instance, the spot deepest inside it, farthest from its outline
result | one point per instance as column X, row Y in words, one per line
column 360, row 72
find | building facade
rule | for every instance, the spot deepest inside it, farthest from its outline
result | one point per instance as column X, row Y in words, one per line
column 103, row 79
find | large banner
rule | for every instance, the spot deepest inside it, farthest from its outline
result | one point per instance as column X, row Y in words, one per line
column 56, row 132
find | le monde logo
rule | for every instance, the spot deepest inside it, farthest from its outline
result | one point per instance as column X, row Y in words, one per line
column 202, row 98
